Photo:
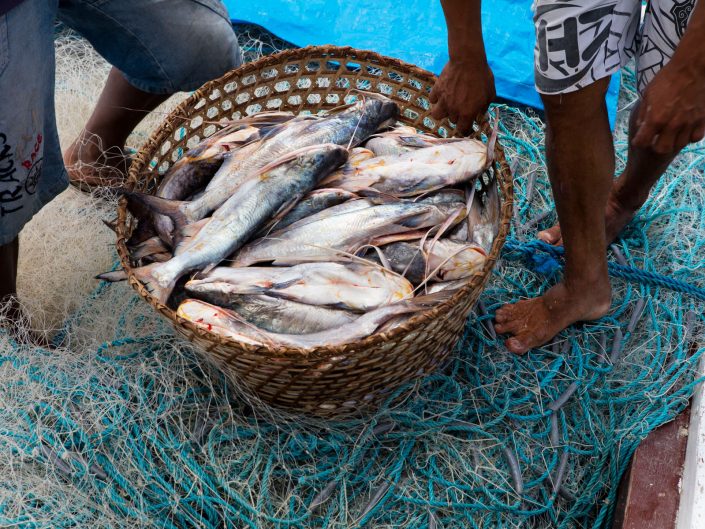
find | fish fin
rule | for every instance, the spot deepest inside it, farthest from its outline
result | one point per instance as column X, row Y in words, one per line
column 283, row 210
column 163, row 206
column 287, row 206
column 262, row 119
column 151, row 246
column 377, row 252
column 161, row 257
column 411, row 220
column 283, row 284
column 398, row 237
column 349, row 195
column 269, row 130
column 414, row 141
column 112, row 224
column 136, row 208
column 378, row 197
column 332, row 180
column 112, row 276
column 348, row 170
column 145, row 275
column 424, row 301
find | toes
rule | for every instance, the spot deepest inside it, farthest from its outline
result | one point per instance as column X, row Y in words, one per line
column 516, row 346
column 502, row 315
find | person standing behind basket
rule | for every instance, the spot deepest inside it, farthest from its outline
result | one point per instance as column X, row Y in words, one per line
column 579, row 44
column 156, row 47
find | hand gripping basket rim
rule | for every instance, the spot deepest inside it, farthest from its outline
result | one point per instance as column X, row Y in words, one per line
column 332, row 53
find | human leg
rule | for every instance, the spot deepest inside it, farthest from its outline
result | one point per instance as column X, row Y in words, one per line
column 31, row 169
column 629, row 192
column 580, row 159
column 157, row 48
column 665, row 24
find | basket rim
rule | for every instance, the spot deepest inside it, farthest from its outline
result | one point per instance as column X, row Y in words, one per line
column 140, row 167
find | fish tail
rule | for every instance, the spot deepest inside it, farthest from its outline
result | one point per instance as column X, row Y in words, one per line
column 163, row 206
column 112, row 276
column 156, row 280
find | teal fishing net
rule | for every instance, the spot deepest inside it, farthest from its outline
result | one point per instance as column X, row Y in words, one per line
column 124, row 426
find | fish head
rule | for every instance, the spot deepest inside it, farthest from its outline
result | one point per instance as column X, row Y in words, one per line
column 326, row 157
column 380, row 109
column 458, row 261
column 214, row 319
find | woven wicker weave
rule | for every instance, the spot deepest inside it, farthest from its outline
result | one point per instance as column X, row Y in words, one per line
column 334, row 380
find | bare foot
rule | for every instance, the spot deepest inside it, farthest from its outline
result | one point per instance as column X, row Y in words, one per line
column 89, row 166
column 534, row 322
column 617, row 216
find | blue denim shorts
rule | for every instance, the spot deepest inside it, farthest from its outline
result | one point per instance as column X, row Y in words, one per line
column 160, row 46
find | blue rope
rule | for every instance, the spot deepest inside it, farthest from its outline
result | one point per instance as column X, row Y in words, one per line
column 547, row 259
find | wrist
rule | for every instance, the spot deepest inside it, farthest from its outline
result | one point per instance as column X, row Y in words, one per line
column 690, row 65
column 690, row 53
column 469, row 60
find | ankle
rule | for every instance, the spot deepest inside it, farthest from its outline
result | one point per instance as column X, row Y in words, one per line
column 589, row 286
column 623, row 200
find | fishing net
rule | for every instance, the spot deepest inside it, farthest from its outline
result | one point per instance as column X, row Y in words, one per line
column 122, row 425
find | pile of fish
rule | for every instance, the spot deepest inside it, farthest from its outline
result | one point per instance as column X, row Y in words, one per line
column 308, row 231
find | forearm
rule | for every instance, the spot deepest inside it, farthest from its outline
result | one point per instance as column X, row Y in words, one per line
column 691, row 50
column 463, row 19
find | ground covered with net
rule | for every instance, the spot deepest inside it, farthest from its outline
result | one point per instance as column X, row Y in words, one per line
column 123, row 425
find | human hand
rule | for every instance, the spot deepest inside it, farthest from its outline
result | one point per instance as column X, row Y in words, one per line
column 672, row 110
column 462, row 92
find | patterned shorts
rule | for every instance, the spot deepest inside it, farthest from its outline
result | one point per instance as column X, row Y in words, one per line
column 581, row 41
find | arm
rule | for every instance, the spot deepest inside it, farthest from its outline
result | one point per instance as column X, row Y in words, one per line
column 672, row 111
column 465, row 88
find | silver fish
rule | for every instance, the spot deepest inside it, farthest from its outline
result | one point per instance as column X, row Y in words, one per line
column 281, row 315
column 244, row 213
column 348, row 127
column 419, row 171
column 225, row 323
column 346, row 231
column 198, row 165
column 354, row 286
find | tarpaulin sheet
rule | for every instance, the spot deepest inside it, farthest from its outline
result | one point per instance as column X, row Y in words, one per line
column 411, row 30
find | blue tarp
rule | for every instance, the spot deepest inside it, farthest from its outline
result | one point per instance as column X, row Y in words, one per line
column 412, row 30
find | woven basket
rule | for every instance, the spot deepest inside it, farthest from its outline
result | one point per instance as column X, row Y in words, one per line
column 331, row 380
